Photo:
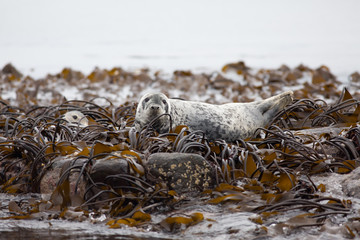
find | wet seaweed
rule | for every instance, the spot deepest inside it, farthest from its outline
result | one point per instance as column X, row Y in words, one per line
column 276, row 165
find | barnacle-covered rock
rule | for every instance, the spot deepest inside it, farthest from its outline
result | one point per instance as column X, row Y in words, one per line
column 182, row 172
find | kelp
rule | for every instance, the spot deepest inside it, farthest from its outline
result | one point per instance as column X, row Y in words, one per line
column 269, row 173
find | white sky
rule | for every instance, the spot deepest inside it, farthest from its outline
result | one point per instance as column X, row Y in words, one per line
column 42, row 36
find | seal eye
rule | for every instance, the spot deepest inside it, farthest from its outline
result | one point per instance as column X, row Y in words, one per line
column 164, row 101
column 147, row 99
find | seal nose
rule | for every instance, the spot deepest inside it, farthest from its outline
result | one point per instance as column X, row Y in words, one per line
column 155, row 107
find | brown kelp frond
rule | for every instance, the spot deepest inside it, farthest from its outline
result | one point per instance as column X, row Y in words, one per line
column 103, row 165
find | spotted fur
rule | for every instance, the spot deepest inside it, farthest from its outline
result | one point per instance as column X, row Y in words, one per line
column 231, row 121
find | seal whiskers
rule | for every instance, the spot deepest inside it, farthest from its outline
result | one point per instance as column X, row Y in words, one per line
column 150, row 109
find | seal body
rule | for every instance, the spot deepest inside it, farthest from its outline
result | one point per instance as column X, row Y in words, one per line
column 231, row 121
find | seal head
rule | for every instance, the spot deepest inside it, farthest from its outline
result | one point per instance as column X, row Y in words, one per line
column 153, row 108
column 76, row 117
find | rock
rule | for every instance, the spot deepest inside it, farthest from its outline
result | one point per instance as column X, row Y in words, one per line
column 109, row 166
column 355, row 77
column 101, row 169
column 100, row 174
column 284, row 68
column 239, row 67
column 220, row 82
column 50, row 180
column 182, row 172
column 71, row 76
column 319, row 133
column 351, row 183
column 10, row 69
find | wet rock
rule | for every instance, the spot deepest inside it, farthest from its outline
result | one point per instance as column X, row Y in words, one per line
column 351, row 183
column 70, row 75
column 107, row 167
column 98, row 75
column 106, row 171
column 284, row 68
column 323, row 75
column 50, row 180
column 293, row 76
column 303, row 68
column 317, row 133
column 183, row 73
column 10, row 69
column 221, row 82
column 275, row 78
column 182, row 172
column 355, row 77
column 239, row 67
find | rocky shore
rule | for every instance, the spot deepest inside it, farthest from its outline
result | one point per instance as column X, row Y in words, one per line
column 160, row 183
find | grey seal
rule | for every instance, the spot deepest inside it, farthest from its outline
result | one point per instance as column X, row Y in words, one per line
column 230, row 121
column 76, row 117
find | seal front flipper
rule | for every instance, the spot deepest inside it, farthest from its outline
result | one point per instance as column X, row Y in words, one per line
column 271, row 106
